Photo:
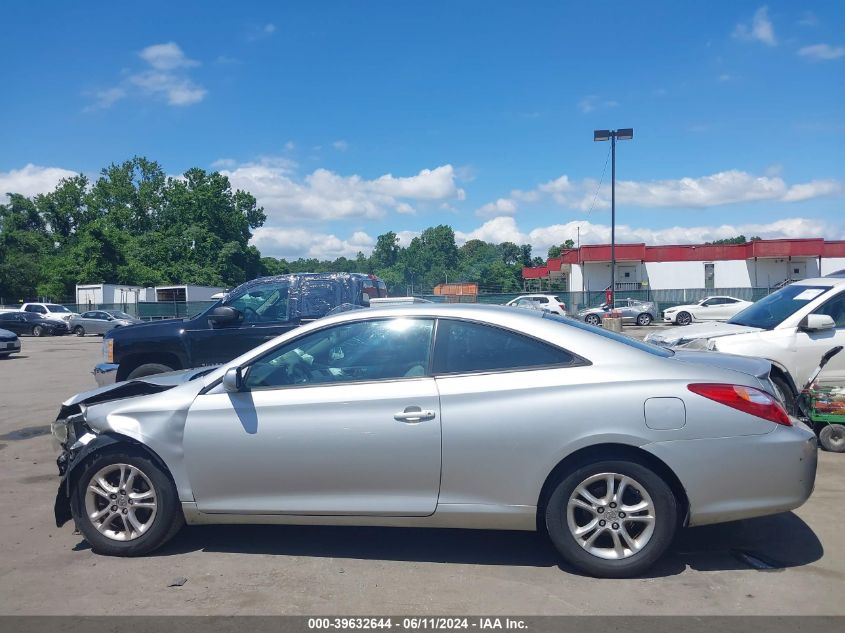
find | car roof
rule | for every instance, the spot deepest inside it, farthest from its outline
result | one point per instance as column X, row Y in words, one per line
column 820, row 281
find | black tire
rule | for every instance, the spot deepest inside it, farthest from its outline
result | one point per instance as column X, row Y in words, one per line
column 592, row 319
column 148, row 369
column 79, row 330
column 165, row 524
column 832, row 438
column 786, row 394
column 39, row 330
column 683, row 318
column 644, row 319
column 665, row 511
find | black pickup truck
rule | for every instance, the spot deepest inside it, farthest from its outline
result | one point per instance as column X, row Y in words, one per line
column 249, row 315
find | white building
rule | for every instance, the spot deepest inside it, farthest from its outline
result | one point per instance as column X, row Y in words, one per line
column 93, row 295
column 757, row 264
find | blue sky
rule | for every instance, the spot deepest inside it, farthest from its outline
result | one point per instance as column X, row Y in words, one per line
column 350, row 119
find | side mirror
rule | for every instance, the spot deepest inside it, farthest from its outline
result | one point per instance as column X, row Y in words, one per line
column 233, row 379
column 222, row 315
column 817, row 323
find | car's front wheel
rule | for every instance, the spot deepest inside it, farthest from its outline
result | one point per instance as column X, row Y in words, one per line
column 644, row 319
column 124, row 504
column 612, row 519
column 683, row 318
column 79, row 330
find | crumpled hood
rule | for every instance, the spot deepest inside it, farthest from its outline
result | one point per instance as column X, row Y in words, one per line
column 684, row 334
column 136, row 387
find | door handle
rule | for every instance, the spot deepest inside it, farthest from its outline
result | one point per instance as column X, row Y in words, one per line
column 413, row 415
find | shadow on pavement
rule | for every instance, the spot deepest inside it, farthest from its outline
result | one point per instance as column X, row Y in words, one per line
column 767, row 544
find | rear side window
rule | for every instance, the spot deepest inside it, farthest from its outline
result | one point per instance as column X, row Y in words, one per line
column 463, row 347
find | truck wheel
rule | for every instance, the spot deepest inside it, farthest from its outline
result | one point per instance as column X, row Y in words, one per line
column 148, row 369
column 832, row 438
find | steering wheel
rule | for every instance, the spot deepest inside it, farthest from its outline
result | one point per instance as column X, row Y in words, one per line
column 253, row 317
column 298, row 375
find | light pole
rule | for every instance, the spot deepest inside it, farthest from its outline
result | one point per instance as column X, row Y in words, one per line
column 624, row 134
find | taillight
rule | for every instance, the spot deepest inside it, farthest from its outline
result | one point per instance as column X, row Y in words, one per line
column 562, row 306
column 746, row 399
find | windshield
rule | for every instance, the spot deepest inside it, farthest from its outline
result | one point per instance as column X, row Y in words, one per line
column 52, row 307
column 118, row 314
column 614, row 336
column 771, row 311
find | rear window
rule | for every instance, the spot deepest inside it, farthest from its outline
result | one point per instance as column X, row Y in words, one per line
column 619, row 338
column 465, row 347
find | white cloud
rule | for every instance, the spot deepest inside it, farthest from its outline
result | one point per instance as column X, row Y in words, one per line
column 291, row 243
column 808, row 18
column 166, row 57
column 822, row 52
column 760, row 29
column 31, row 180
column 325, row 195
column 503, row 229
column 341, row 145
column 166, row 78
column 261, row 32
column 590, row 103
column 500, row 206
column 722, row 188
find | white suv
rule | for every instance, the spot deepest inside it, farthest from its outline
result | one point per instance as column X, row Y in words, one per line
column 792, row 328
column 51, row 311
column 552, row 303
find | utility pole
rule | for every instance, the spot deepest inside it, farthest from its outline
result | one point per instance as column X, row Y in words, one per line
column 624, row 134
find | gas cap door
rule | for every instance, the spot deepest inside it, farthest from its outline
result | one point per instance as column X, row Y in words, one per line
column 665, row 414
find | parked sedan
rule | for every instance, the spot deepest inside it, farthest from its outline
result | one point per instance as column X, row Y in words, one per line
column 552, row 303
column 440, row 416
column 708, row 309
column 32, row 323
column 632, row 312
column 9, row 343
column 100, row 321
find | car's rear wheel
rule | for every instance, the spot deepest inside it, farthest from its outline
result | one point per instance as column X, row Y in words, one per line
column 148, row 369
column 125, row 505
column 79, row 330
column 612, row 519
column 39, row 330
column 683, row 318
column 644, row 319
column 592, row 319
column 832, row 438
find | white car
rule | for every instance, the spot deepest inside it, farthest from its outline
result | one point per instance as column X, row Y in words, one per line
column 708, row 309
column 550, row 303
column 792, row 328
column 52, row 311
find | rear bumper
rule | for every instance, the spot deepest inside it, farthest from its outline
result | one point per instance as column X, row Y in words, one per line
column 732, row 478
column 105, row 374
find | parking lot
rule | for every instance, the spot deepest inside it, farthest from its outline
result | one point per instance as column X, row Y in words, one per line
column 791, row 563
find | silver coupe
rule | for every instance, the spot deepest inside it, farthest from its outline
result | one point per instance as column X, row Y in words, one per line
column 460, row 416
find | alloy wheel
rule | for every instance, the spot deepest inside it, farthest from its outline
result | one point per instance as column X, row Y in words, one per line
column 120, row 502
column 611, row 516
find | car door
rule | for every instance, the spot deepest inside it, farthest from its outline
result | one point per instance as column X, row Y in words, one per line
column 344, row 420
column 812, row 345
column 707, row 311
column 264, row 311
column 89, row 322
column 629, row 311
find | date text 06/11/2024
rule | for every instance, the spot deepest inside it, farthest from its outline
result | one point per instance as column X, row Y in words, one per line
column 416, row 623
